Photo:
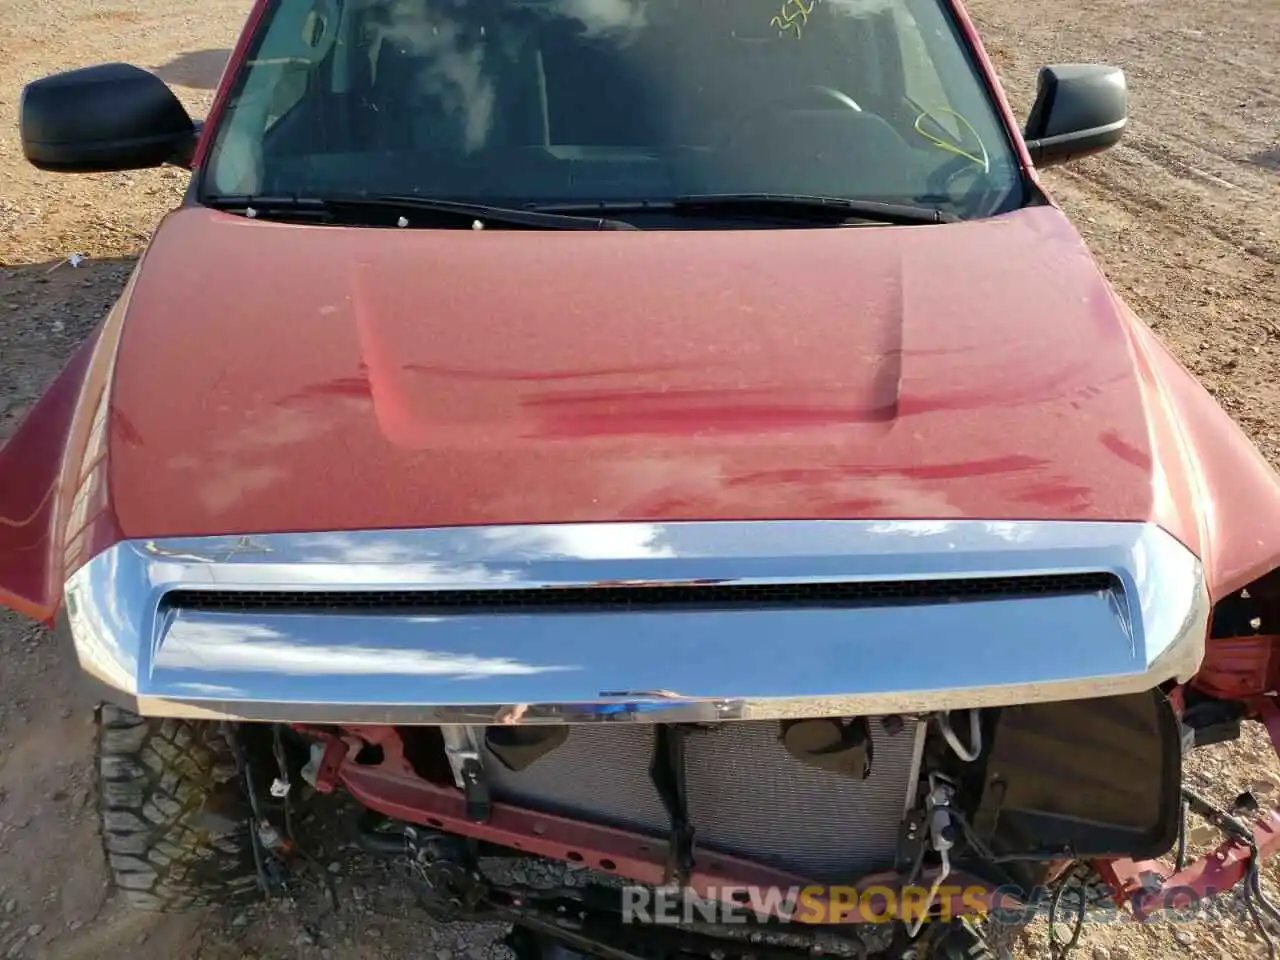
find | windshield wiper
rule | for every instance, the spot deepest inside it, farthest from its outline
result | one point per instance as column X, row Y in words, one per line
column 834, row 208
column 416, row 211
column 785, row 205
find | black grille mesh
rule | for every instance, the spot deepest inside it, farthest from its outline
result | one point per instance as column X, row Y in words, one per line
column 623, row 597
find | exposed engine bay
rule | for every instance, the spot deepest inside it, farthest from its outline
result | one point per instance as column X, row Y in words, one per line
column 827, row 779
column 927, row 808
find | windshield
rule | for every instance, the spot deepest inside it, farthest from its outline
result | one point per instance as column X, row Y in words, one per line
column 579, row 102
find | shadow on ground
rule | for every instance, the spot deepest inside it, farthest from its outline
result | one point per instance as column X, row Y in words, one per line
column 1267, row 158
column 199, row 69
column 46, row 310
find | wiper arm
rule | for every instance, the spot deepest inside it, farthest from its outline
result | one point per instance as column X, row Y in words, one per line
column 411, row 209
column 819, row 208
column 787, row 205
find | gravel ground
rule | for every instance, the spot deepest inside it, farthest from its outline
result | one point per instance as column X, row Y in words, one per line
column 1185, row 218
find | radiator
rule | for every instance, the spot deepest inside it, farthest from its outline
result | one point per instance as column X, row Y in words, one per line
column 746, row 795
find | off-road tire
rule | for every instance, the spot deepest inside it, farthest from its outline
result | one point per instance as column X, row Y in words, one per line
column 174, row 828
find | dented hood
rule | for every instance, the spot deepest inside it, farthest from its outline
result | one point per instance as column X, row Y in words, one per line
column 276, row 377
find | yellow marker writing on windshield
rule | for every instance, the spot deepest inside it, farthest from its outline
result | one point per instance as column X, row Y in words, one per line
column 794, row 15
column 983, row 161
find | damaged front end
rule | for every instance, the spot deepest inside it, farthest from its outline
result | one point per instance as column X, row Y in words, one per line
column 832, row 735
column 851, row 834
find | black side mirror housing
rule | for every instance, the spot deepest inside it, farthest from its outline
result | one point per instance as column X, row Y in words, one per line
column 109, row 117
column 1080, row 109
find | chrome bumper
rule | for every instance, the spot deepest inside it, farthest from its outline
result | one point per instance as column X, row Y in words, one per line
column 371, row 664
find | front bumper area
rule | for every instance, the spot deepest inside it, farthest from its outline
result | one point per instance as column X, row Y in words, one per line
column 681, row 622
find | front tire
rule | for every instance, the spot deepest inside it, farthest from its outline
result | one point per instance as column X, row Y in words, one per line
column 175, row 824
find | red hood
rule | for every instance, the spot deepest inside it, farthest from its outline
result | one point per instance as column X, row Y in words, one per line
column 285, row 378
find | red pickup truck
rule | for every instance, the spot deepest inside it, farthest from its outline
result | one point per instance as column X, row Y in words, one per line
column 680, row 439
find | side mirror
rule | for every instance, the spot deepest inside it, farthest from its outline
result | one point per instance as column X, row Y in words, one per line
column 110, row 117
column 1080, row 109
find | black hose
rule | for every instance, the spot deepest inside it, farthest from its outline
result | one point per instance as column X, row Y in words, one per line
column 1265, row 904
column 277, row 747
column 984, row 851
column 1253, row 878
column 1182, row 836
column 1260, row 908
column 255, row 842
column 1057, row 947
column 979, row 845
column 1256, row 902
column 383, row 844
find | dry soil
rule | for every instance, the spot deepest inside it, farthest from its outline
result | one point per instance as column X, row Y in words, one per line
column 1185, row 218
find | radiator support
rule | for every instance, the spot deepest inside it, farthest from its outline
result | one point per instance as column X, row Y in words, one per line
column 744, row 793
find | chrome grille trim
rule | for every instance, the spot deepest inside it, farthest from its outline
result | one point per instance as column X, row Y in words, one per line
column 620, row 597
column 648, row 665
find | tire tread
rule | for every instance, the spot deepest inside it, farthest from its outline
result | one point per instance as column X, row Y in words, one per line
column 165, row 789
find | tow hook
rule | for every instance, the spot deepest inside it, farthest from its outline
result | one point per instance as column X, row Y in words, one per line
column 941, row 839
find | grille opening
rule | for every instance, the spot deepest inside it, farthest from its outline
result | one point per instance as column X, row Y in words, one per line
column 626, row 597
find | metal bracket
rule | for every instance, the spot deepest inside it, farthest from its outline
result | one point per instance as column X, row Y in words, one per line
column 462, row 747
column 913, row 842
column 941, row 839
column 668, row 775
column 323, row 769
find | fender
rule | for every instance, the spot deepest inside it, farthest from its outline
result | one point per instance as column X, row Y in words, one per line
column 43, row 465
column 30, row 478
column 1233, row 523
column 55, row 510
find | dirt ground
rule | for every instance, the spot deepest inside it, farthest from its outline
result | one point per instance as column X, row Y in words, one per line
column 1185, row 217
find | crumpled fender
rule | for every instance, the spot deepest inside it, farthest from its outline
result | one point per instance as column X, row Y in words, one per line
column 55, row 510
